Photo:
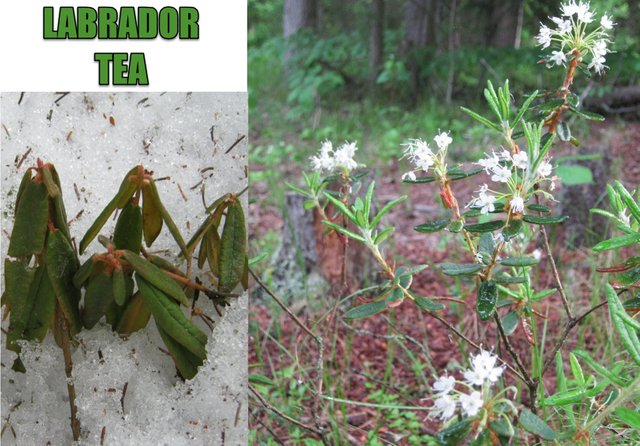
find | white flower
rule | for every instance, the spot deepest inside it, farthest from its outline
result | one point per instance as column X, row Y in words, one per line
column 501, row 174
column 569, row 9
column 483, row 369
column 324, row 161
column 444, row 407
column 411, row 175
column 557, row 57
column 597, row 63
column 521, row 160
column 517, row 204
column 443, row 140
column 544, row 169
column 606, row 22
column 486, row 203
column 505, row 155
column 420, row 154
column 622, row 215
column 584, row 15
column 343, row 156
column 472, row 403
column 599, row 48
column 492, row 161
column 537, row 254
column 444, row 384
column 564, row 26
column 544, row 37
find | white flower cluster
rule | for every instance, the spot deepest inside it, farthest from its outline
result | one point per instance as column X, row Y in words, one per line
column 422, row 156
column 483, row 373
column 572, row 37
column 514, row 170
column 339, row 159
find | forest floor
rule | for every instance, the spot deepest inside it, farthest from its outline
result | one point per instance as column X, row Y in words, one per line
column 360, row 350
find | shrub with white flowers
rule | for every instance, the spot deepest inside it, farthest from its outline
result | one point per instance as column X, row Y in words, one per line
column 577, row 36
column 512, row 206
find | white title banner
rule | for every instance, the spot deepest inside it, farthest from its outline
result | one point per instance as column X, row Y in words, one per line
column 200, row 46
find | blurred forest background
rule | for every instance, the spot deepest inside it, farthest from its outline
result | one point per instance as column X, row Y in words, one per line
column 387, row 70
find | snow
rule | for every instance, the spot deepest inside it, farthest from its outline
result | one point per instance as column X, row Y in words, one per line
column 93, row 139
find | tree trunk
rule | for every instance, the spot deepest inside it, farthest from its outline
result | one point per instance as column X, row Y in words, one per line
column 418, row 34
column 376, row 41
column 299, row 14
column 503, row 27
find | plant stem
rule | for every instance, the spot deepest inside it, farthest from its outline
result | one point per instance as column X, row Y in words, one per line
column 552, row 122
column 570, row 324
column 68, row 369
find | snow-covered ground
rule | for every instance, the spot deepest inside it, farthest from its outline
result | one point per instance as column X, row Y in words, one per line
column 93, row 139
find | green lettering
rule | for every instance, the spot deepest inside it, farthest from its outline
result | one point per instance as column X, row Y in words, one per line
column 128, row 28
column 67, row 23
column 168, row 22
column 47, row 22
column 147, row 23
column 103, row 60
column 138, row 70
column 107, row 26
column 87, row 28
column 189, row 28
column 119, row 68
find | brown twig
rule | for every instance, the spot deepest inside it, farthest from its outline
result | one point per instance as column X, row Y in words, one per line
column 281, row 414
column 68, row 369
column 570, row 324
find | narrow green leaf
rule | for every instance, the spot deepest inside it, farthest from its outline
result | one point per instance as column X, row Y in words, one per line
column 599, row 369
column 510, row 322
column 519, row 261
column 170, row 318
column 186, row 362
column 489, row 226
column 534, row 219
column 455, row 269
column 512, row 229
column 386, row 208
column 344, row 231
column 432, row 226
column 626, row 197
column 151, row 217
column 618, row 242
column 530, row 422
column 427, row 304
column 173, row 229
column 213, row 247
column 368, row 200
column 481, row 119
column 506, row 279
column 62, row 265
column 366, row 310
column 119, row 289
column 628, row 320
column 543, row 294
column 524, row 108
column 155, row 277
column 628, row 416
column 98, row 298
column 550, row 105
column 539, row 208
column 341, row 207
column 383, row 235
column 576, row 370
column 128, row 231
column 30, row 223
column 233, row 248
column 487, row 299
column 83, row 273
column 135, row 316
column 587, row 115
